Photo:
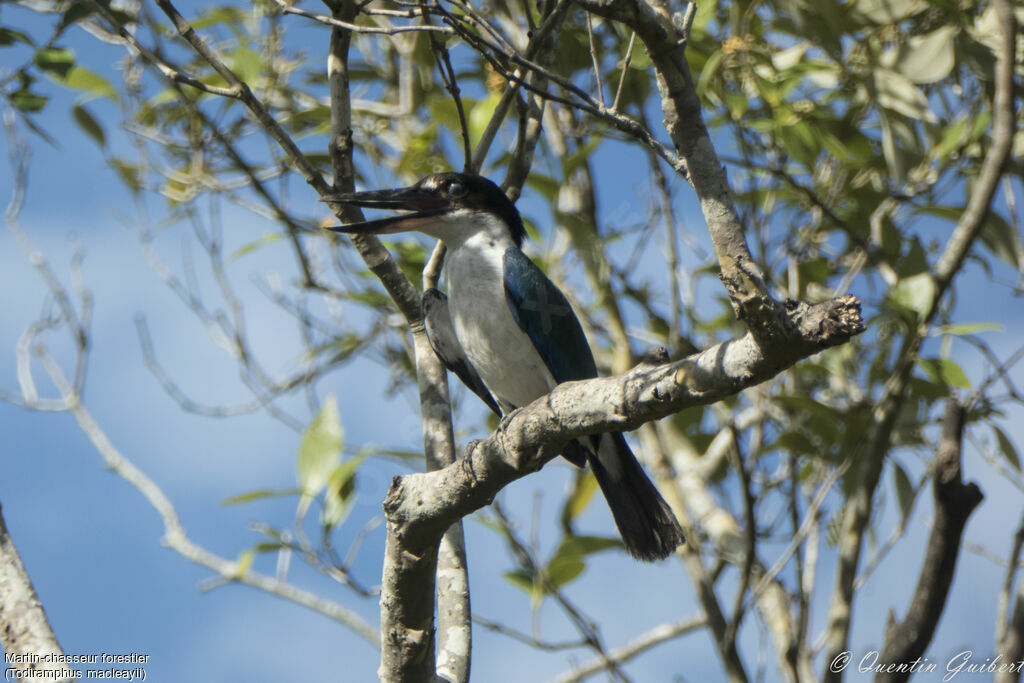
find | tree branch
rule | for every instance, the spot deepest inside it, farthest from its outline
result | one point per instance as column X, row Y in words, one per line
column 420, row 507
column 356, row 28
column 889, row 405
column 175, row 536
column 685, row 124
column 906, row 641
column 448, row 575
column 645, row 641
column 1010, row 633
column 25, row 632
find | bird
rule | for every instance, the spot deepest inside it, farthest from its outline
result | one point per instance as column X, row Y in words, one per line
column 509, row 333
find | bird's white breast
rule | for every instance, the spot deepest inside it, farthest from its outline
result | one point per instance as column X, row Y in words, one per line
column 501, row 352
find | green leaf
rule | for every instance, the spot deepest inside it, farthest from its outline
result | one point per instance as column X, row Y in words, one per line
column 76, row 12
column 580, row 156
column 88, row 123
column 1007, row 448
column 814, row 270
column 480, row 116
column 400, row 455
column 894, row 158
column 55, row 60
column 269, row 547
column 898, row 93
column 27, row 101
column 546, row 185
column 259, row 495
column 946, row 371
column 915, row 261
column 914, row 293
column 588, row 545
column 10, row 36
column 905, row 492
column 796, row 442
column 269, row 238
column 819, row 418
column 966, row 329
column 567, row 562
column 799, row 142
column 953, row 135
column 247, row 64
column 230, row 16
column 340, row 493
column 1001, row 239
column 521, row 579
column 320, row 451
column 582, row 494
column 95, row 85
column 711, row 67
column 563, row 569
column 924, row 58
column 834, row 529
column 40, row 132
column 245, row 560
column 789, row 57
column 128, row 172
column 927, row 389
column 888, row 11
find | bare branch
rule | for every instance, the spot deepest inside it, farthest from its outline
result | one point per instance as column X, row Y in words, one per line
column 540, row 47
column 885, row 416
column 625, row 70
column 420, row 507
column 451, row 84
column 405, row 621
column 645, row 641
column 174, row 533
column 594, row 59
column 356, row 28
column 906, row 641
column 163, row 67
column 1010, row 631
column 25, row 632
column 700, row 164
column 528, row 639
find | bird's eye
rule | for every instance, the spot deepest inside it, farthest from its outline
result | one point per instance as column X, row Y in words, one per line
column 456, row 189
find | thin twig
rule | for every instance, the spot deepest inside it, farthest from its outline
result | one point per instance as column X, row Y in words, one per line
column 594, row 60
column 356, row 28
column 451, row 84
column 645, row 641
column 625, row 69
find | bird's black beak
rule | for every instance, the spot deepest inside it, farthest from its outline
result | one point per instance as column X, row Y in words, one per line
column 423, row 204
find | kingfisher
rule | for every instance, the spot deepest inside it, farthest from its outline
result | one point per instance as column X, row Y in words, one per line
column 509, row 333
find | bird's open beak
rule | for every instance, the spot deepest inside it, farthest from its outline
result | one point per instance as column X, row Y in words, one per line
column 423, row 204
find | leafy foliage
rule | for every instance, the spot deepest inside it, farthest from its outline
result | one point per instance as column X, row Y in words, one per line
column 853, row 132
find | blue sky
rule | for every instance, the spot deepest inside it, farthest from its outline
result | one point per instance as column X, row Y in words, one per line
column 91, row 543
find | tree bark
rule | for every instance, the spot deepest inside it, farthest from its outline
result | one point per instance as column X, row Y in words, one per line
column 25, row 632
column 420, row 507
column 906, row 641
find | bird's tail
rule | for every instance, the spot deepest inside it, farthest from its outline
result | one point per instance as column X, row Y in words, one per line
column 645, row 521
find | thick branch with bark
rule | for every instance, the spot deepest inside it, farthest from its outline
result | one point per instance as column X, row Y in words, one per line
column 907, row 640
column 420, row 507
column 25, row 632
column 889, row 406
column 684, row 121
column 1010, row 628
column 452, row 584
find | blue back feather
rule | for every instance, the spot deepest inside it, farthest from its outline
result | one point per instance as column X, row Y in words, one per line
column 543, row 313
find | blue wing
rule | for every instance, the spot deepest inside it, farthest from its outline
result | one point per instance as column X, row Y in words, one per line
column 446, row 345
column 543, row 313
